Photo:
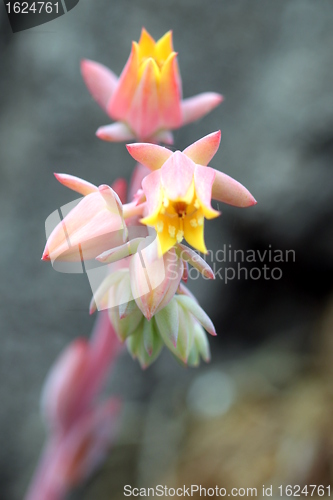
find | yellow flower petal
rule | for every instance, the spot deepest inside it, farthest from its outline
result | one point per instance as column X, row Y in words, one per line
column 210, row 213
column 150, row 220
column 168, row 236
column 146, row 45
column 150, row 61
column 194, row 235
column 164, row 48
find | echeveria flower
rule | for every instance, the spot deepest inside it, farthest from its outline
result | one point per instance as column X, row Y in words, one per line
column 146, row 101
column 94, row 225
column 154, row 280
column 180, row 189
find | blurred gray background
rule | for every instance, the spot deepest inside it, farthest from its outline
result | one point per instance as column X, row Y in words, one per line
column 273, row 63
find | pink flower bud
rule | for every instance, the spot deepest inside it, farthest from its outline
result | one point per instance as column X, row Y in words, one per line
column 146, row 100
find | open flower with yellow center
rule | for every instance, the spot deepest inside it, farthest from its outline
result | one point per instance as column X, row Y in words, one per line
column 176, row 209
column 180, row 189
column 146, row 100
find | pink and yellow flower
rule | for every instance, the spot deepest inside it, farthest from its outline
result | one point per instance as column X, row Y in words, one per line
column 146, row 100
column 180, row 188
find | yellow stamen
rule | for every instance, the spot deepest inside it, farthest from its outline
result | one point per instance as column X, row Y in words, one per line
column 162, row 210
column 172, row 231
column 194, row 222
column 196, row 204
column 159, row 226
column 200, row 221
column 180, row 236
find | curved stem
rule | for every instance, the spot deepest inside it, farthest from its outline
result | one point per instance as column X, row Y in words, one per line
column 132, row 209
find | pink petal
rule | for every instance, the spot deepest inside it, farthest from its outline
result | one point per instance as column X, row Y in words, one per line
column 111, row 199
column 150, row 155
column 177, row 175
column 170, row 93
column 185, row 272
column 154, row 280
column 152, row 188
column 140, row 286
column 86, row 231
column 174, row 273
column 228, row 190
column 122, row 97
column 144, row 115
column 76, row 184
column 116, row 132
column 100, row 80
column 119, row 253
column 102, row 291
column 189, row 255
column 196, row 107
column 203, row 181
column 203, row 150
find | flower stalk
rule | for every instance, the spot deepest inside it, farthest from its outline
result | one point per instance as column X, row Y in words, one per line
column 138, row 234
